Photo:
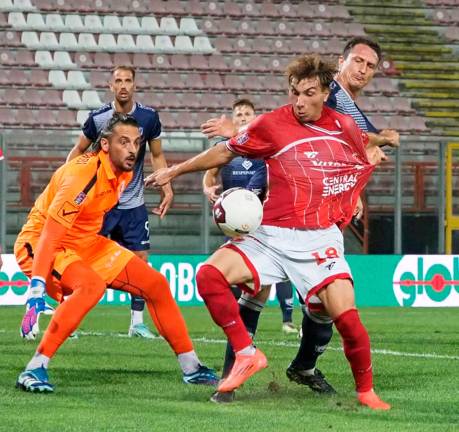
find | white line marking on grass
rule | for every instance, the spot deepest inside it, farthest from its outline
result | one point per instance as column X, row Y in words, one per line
column 294, row 345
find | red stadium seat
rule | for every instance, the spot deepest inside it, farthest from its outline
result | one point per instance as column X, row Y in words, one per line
column 194, row 81
column 223, row 44
column 13, row 97
column 212, row 101
column 218, row 63
column 161, row 62
column 141, row 61
column 25, row 58
column 10, row 38
column 84, row 60
column 122, row 58
column 200, row 62
column 214, row 81
column 103, row 60
column 234, row 82
column 99, row 79
column 180, row 61
column 232, row 9
column 39, row 78
column 48, row 118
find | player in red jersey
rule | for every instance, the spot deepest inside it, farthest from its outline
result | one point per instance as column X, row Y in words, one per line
column 317, row 166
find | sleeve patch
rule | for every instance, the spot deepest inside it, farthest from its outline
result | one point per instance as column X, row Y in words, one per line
column 68, row 212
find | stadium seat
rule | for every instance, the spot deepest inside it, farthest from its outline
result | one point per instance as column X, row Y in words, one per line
column 84, row 60
column 71, row 98
column 91, row 99
column 130, row 24
column 38, row 78
column 76, row 79
column 25, row 58
column 10, row 38
column 212, row 101
column 74, row 23
column 93, row 24
column 214, row 81
column 122, row 58
column 82, row 116
column 13, row 97
column 99, row 79
column 144, row 43
column 234, row 82
column 67, row 118
column 163, row 43
column 195, row 81
column 24, row 5
column 202, row 44
column 47, row 118
column 107, row 42
column 188, row 26
column 161, row 62
column 53, row 22
column 169, row 26
column 183, row 44
column 57, row 78
column 68, row 41
column 17, row 20
column 87, row 42
column 149, row 25
column 44, row 59
column 29, row 39
column 217, row 63
column 126, row 42
column 180, row 61
column 62, row 60
column 112, row 24
column 48, row 41
column 7, row 58
column 199, row 62
column 141, row 61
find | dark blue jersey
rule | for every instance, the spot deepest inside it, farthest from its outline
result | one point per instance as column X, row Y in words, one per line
column 150, row 128
column 247, row 173
column 340, row 101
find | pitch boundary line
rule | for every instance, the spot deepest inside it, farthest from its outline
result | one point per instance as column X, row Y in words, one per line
column 294, row 345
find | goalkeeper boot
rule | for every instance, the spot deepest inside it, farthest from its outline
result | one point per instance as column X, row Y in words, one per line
column 244, row 367
column 35, row 380
column 202, row 376
column 141, row 330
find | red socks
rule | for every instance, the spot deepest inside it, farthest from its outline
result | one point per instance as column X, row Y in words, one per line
column 356, row 345
column 222, row 305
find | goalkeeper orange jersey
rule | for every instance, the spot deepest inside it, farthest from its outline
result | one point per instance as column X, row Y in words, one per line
column 77, row 197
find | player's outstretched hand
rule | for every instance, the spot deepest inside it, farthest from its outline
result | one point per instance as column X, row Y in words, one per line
column 167, row 196
column 159, row 178
column 391, row 137
column 211, row 192
column 375, row 155
column 222, row 126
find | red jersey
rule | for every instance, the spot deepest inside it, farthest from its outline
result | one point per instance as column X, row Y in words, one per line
column 316, row 170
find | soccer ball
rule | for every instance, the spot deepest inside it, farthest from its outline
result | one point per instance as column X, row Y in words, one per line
column 238, row 212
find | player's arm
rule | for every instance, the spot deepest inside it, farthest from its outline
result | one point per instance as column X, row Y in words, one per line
column 388, row 137
column 210, row 185
column 257, row 183
column 79, row 148
column 158, row 161
column 221, row 126
column 216, row 156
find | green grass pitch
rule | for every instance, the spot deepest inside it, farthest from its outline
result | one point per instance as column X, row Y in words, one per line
column 108, row 382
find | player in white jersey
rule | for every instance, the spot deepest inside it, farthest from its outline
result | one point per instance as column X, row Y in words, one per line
column 317, row 165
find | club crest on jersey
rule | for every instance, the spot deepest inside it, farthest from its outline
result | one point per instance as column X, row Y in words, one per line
column 80, row 198
column 141, row 130
column 311, row 154
column 247, row 164
column 242, row 139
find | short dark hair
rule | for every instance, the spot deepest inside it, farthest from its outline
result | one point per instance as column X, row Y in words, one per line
column 124, row 67
column 363, row 41
column 242, row 102
column 310, row 66
column 106, row 132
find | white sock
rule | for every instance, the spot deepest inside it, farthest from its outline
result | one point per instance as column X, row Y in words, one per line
column 248, row 350
column 136, row 317
column 38, row 360
column 189, row 362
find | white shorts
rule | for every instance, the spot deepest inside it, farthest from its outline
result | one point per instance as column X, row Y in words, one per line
column 310, row 259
